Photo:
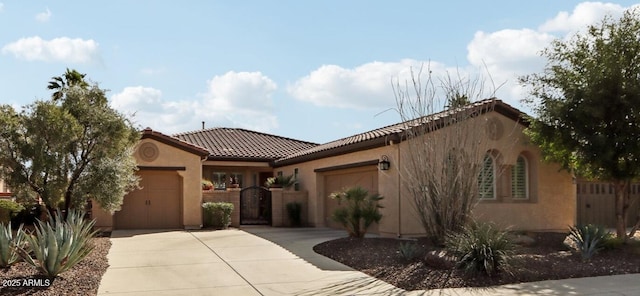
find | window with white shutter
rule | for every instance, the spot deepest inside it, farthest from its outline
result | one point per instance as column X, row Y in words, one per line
column 486, row 179
column 519, row 179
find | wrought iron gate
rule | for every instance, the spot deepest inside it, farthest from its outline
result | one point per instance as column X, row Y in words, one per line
column 255, row 206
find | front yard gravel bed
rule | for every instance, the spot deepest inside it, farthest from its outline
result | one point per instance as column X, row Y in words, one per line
column 82, row 279
column 546, row 259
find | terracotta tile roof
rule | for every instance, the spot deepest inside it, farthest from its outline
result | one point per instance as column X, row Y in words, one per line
column 381, row 136
column 175, row 142
column 241, row 144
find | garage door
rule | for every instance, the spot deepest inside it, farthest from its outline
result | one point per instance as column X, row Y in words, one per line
column 156, row 205
column 365, row 177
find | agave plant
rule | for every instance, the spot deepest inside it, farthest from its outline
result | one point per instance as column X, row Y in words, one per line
column 9, row 245
column 589, row 239
column 59, row 244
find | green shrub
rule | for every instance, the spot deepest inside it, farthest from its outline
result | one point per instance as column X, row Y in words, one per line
column 361, row 210
column 217, row 214
column 589, row 239
column 294, row 211
column 280, row 181
column 409, row 251
column 8, row 209
column 9, row 244
column 59, row 244
column 480, row 248
column 612, row 243
column 29, row 215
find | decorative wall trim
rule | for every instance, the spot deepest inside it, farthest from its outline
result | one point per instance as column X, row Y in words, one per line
column 347, row 166
column 161, row 168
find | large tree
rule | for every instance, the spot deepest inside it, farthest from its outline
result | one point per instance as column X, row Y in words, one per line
column 587, row 103
column 69, row 148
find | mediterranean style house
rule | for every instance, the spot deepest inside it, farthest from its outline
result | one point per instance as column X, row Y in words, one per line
column 529, row 194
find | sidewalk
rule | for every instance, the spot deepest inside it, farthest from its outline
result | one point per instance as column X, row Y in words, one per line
column 235, row 262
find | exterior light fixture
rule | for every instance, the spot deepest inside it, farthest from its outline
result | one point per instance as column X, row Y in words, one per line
column 384, row 163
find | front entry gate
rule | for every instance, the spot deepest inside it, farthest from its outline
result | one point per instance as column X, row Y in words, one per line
column 255, row 206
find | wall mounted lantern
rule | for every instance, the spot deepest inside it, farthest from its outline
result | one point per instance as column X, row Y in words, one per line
column 384, row 163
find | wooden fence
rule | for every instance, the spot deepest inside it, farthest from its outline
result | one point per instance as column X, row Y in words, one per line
column 596, row 203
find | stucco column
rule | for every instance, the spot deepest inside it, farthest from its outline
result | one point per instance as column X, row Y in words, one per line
column 234, row 198
column 276, row 207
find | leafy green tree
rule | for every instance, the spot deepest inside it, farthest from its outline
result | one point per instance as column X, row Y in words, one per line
column 69, row 149
column 587, row 103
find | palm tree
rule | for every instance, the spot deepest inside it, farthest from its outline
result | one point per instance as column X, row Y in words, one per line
column 69, row 79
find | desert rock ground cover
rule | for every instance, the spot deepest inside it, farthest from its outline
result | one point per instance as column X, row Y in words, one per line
column 546, row 259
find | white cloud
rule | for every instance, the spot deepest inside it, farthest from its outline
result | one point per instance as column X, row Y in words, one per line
column 136, row 98
column 502, row 56
column 511, row 53
column 238, row 99
column 1, row 6
column 242, row 99
column 61, row 49
column 44, row 17
column 244, row 90
column 506, row 55
column 583, row 14
column 365, row 86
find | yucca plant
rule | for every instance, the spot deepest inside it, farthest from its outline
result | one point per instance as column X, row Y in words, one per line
column 9, row 245
column 589, row 239
column 480, row 248
column 360, row 211
column 59, row 244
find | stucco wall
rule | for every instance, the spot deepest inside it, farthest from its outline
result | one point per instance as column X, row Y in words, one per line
column 231, row 196
column 313, row 183
column 169, row 156
column 551, row 204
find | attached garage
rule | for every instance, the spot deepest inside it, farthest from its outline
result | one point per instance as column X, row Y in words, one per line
column 157, row 204
column 365, row 177
column 170, row 196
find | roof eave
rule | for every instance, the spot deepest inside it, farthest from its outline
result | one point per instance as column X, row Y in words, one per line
column 239, row 158
column 365, row 145
column 174, row 142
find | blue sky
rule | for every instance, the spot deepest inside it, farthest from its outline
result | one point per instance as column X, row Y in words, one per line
column 311, row 70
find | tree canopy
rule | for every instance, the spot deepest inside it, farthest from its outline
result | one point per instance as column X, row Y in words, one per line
column 587, row 103
column 69, row 148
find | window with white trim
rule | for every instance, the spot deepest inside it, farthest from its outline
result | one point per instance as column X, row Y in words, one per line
column 520, row 179
column 486, row 179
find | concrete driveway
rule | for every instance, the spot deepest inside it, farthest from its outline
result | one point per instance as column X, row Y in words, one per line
column 278, row 261
column 229, row 262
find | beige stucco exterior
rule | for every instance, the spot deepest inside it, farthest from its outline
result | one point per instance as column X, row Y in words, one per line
column 170, row 158
column 552, row 197
column 550, row 205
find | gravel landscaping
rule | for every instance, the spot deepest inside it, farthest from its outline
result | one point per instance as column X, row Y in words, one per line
column 545, row 259
column 83, row 279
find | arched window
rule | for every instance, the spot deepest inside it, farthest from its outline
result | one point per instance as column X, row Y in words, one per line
column 520, row 179
column 486, row 178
